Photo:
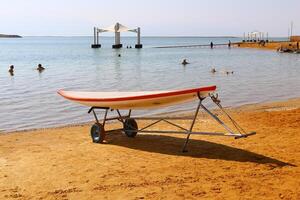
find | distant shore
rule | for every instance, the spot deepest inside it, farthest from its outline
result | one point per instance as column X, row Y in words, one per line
column 10, row 36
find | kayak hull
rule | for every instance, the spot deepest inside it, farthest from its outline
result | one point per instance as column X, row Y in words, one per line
column 136, row 100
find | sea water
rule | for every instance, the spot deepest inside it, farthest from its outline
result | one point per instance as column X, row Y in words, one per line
column 29, row 99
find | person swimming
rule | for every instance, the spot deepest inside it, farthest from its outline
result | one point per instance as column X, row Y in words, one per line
column 184, row 62
column 11, row 70
column 40, row 68
column 119, row 55
column 229, row 72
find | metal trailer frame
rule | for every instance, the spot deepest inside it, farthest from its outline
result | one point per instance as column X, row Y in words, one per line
column 131, row 129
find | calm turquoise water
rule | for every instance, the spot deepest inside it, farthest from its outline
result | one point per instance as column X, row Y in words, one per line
column 29, row 100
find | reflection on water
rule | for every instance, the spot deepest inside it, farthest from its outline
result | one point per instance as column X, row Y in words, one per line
column 29, row 99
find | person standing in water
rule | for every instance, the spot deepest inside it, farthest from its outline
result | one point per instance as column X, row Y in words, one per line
column 229, row 44
column 184, row 62
column 11, row 70
column 211, row 45
column 40, row 68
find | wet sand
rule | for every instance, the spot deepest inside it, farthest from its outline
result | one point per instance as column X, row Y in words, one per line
column 63, row 163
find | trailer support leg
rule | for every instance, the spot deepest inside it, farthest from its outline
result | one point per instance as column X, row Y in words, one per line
column 191, row 127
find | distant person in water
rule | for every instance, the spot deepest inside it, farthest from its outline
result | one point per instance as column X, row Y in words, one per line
column 11, row 70
column 211, row 45
column 119, row 55
column 130, row 47
column 40, row 68
column 229, row 44
column 184, row 62
column 213, row 70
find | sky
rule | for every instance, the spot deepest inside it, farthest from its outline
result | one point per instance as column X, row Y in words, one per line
column 155, row 17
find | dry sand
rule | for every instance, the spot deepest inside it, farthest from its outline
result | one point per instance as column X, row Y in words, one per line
column 63, row 163
column 269, row 45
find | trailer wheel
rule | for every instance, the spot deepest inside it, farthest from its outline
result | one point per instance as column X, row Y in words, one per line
column 130, row 127
column 97, row 133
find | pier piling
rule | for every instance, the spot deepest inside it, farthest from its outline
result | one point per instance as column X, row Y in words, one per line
column 138, row 45
column 96, row 39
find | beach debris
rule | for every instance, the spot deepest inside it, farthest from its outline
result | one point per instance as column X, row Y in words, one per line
column 40, row 68
column 297, row 52
column 185, row 62
column 11, row 70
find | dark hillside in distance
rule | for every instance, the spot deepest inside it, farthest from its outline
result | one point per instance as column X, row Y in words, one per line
column 9, row 36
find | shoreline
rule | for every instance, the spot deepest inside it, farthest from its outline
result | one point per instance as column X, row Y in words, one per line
column 152, row 166
column 171, row 113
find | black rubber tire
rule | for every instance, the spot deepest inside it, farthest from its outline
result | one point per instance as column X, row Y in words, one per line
column 130, row 127
column 97, row 133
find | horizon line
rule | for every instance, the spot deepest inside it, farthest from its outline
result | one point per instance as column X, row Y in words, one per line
column 191, row 36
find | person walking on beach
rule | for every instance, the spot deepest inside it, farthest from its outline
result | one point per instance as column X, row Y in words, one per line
column 40, row 68
column 211, row 45
column 11, row 70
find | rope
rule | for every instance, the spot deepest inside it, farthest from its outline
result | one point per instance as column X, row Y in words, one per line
column 216, row 100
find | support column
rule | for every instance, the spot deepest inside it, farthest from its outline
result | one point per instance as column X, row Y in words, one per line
column 138, row 45
column 96, row 39
column 97, row 36
column 117, row 44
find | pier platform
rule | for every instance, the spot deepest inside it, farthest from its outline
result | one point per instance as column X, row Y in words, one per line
column 199, row 46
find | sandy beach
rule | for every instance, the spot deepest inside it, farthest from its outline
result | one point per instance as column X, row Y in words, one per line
column 273, row 45
column 63, row 163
